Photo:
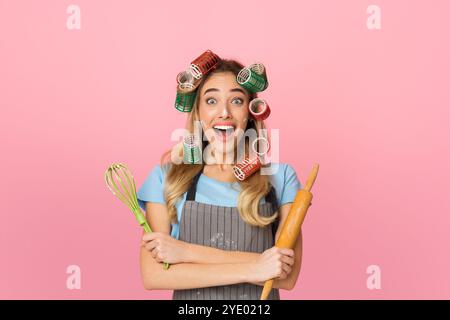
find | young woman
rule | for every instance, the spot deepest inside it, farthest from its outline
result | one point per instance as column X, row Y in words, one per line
column 218, row 233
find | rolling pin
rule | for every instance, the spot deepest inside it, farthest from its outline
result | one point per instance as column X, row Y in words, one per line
column 293, row 224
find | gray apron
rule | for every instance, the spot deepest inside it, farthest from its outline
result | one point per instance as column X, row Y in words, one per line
column 223, row 228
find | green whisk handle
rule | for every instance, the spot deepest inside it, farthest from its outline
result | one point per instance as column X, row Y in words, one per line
column 146, row 227
column 143, row 223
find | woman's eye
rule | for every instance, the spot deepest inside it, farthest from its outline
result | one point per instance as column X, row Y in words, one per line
column 240, row 101
column 210, row 99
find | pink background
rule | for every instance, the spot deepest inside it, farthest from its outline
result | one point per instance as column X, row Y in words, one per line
column 370, row 106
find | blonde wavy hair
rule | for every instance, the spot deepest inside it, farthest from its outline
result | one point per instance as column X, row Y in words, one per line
column 179, row 176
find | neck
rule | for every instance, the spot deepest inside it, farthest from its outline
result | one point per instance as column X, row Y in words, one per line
column 217, row 158
column 221, row 172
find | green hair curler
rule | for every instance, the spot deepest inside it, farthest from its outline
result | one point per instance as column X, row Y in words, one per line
column 191, row 147
column 261, row 70
column 251, row 80
column 185, row 98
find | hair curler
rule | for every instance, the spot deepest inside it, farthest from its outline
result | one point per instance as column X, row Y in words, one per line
column 185, row 98
column 246, row 168
column 191, row 147
column 251, row 80
column 186, row 78
column 261, row 70
column 261, row 147
column 203, row 64
column 259, row 109
column 255, row 149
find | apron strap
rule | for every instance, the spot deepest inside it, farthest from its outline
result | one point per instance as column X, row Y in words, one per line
column 271, row 197
column 193, row 188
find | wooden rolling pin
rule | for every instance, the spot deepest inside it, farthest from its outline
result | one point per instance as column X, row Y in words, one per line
column 293, row 224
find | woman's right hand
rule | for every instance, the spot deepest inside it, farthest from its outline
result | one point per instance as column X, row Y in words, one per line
column 274, row 263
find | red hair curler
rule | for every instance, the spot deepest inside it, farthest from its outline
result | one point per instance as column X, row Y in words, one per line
column 203, row 64
column 259, row 109
column 246, row 168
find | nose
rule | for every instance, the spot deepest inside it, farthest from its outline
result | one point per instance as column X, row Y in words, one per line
column 224, row 112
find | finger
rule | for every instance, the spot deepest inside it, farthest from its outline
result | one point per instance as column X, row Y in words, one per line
column 287, row 268
column 151, row 245
column 143, row 242
column 288, row 260
column 271, row 250
column 287, row 252
column 147, row 247
column 151, row 236
column 279, row 270
column 156, row 255
column 278, row 250
column 159, row 257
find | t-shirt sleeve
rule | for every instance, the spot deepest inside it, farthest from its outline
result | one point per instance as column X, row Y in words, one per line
column 152, row 190
column 290, row 187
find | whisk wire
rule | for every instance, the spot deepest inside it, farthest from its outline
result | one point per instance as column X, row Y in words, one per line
column 120, row 181
column 129, row 195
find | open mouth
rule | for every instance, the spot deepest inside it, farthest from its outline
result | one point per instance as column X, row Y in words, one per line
column 224, row 132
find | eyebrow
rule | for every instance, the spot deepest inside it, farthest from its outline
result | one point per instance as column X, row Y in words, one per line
column 232, row 90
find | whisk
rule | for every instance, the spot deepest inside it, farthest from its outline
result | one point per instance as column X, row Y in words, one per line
column 120, row 181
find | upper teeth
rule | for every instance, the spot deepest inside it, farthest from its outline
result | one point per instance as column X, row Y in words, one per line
column 223, row 127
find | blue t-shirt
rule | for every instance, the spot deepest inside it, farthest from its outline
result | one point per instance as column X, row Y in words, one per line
column 215, row 192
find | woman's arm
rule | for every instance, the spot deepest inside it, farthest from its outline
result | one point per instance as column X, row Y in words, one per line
column 177, row 251
column 182, row 276
column 191, row 275
column 203, row 254
column 191, row 253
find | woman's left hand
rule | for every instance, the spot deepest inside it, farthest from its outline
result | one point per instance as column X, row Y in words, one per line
column 164, row 248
